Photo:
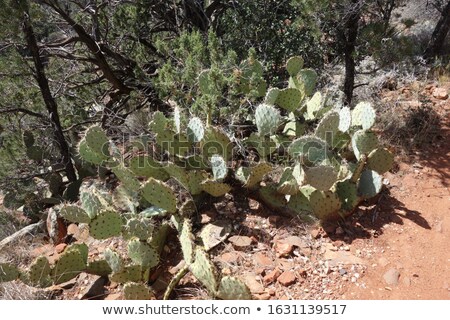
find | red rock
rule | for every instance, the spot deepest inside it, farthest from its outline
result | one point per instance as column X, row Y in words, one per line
column 230, row 257
column 60, row 247
column 262, row 296
column 240, row 242
column 262, row 259
column 72, row 229
column 283, row 249
column 440, row 93
column 207, row 216
column 272, row 276
column 287, row 278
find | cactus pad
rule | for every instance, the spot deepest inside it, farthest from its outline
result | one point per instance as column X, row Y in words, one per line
column 136, row 291
column 159, row 122
column 252, row 176
column 97, row 141
column 309, row 148
column 325, row 204
column 370, row 184
column 131, row 273
column 8, row 272
column 38, row 274
column 74, row 213
column 145, row 166
column 216, row 141
column 299, row 203
column 219, row 167
column 380, row 160
column 99, row 268
column 294, row 65
column 272, row 198
column 267, row 119
column 214, row 188
column 363, row 142
column 195, row 130
column 345, row 119
column 107, row 224
column 89, row 155
column 271, row 96
column 328, row 127
column 313, row 106
column 140, row 228
column 204, row 270
column 347, row 192
column 288, row 183
column 160, row 194
column 177, row 172
column 289, row 99
column 363, row 115
column 114, row 260
column 231, row 288
column 187, row 241
column 142, row 253
column 127, row 178
column 321, row 177
column 195, row 179
column 71, row 262
column 309, row 79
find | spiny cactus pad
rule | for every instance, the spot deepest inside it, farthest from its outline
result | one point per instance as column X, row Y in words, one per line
column 107, row 224
column 347, row 192
column 219, row 167
column 136, row 291
column 204, row 271
column 146, row 166
column 321, row 177
column 271, row 96
column 8, row 272
column 97, row 141
column 140, row 228
column 177, row 172
column 363, row 142
column 71, row 262
column 214, row 188
column 38, row 274
column 74, row 213
column 160, row 194
column 257, row 173
column 99, row 268
column 125, row 200
column 328, row 127
column 114, row 260
column 363, row 115
column 380, row 160
column 231, row 288
column 309, row 79
column 310, row 148
column 299, row 203
column 195, row 130
column 313, row 106
column 288, row 183
column 216, row 141
column 195, row 179
column 325, row 204
column 132, row 273
column 92, row 202
column 89, row 155
column 267, row 119
column 289, row 99
column 127, row 177
column 159, row 122
column 345, row 119
column 271, row 197
column 370, row 184
column 294, row 65
column 187, row 241
column 142, row 253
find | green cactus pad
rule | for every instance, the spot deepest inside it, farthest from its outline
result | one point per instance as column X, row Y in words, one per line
column 299, row 203
column 99, row 267
column 204, row 271
column 380, row 160
column 219, row 167
column 28, row 138
column 214, row 188
column 159, row 122
column 125, row 200
column 271, row 96
column 363, row 115
column 289, row 99
column 38, row 274
column 136, row 291
column 288, row 183
column 271, row 197
column 177, row 172
column 231, row 288
column 363, row 142
column 328, row 127
column 308, row 78
column 321, row 177
column 97, row 141
column 187, row 241
column 71, row 263
column 145, row 166
column 195, row 178
column 325, row 204
column 114, row 260
column 347, row 192
column 159, row 237
column 345, row 119
column 216, row 141
column 88, row 155
column 74, row 213
column 313, row 106
column 131, row 273
column 107, row 224
column 8, row 272
column 294, row 65
column 257, row 173
column 153, row 211
column 142, row 253
column 140, row 228
column 90, row 203
column 369, row 184
column 195, row 130
column 310, row 149
column 127, row 177
column 159, row 194
column 267, row 119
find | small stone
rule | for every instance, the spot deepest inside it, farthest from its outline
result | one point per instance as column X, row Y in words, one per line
column 342, row 272
column 177, row 268
column 271, row 291
column 96, row 287
column 406, row 281
column 253, row 204
column 226, row 271
column 230, row 257
column 72, row 229
column 240, row 242
column 440, row 93
column 287, row 278
column 315, row 233
column 262, row 296
column 253, row 284
column 114, row 296
column 262, row 260
column 207, row 216
column 296, row 241
column 391, row 276
column 346, row 248
column 272, row 276
column 383, row 261
column 283, row 249
column 60, row 247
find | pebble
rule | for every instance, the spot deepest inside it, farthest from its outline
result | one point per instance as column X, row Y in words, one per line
column 391, row 276
column 287, row 278
column 272, row 276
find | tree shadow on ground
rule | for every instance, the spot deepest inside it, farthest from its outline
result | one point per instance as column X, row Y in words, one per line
column 371, row 219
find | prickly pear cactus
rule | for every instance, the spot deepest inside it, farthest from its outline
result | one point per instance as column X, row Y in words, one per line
column 136, row 291
column 8, row 272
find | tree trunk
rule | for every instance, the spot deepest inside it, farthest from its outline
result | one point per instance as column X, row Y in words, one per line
column 438, row 37
column 351, row 34
column 50, row 103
